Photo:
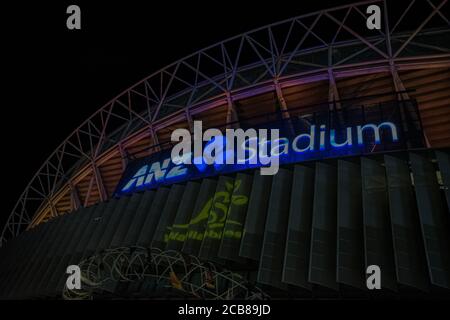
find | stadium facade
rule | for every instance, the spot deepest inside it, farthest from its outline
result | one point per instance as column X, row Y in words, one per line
column 140, row 227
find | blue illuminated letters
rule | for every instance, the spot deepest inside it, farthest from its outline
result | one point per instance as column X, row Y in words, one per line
column 314, row 143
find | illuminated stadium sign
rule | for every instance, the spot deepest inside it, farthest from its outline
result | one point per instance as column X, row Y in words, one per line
column 313, row 142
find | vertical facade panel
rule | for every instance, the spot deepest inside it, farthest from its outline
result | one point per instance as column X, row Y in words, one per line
column 63, row 229
column 296, row 259
column 143, row 208
column 162, row 231
column 98, row 226
column 81, row 236
column 22, row 286
column 199, row 219
column 75, row 219
column 105, row 242
column 64, row 258
column 313, row 224
column 234, row 225
column 408, row 249
column 273, row 248
column 443, row 158
column 40, row 261
column 255, row 221
column 322, row 267
column 18, row 280
column 433, row 218
column 153, row 216
column 377, row 228
column 128, row 216
column 177, row 235
column 79, row 246
column 58, row 265
column 92, row 219
column 108, row 230
column 221, row 201
column 350, row 245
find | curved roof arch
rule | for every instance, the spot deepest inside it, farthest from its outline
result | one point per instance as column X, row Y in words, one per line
column 279, row 54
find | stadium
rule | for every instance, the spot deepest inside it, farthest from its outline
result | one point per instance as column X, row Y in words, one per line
column 141, row 227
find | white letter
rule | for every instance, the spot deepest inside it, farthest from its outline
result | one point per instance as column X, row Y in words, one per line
column 376, row 131
column 215, row 146
column 137, row 180
column 198, row 142
column 347, row 142
column 310, row 137
column 283, row 144
column 74, row 20
column 74, row 280
column 157, row 170
column 273, row 160
column 182, row 149
column 374, row 280
column 374, row 20
column 241, row 139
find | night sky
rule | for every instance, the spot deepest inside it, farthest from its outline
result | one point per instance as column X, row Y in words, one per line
column 55, row 78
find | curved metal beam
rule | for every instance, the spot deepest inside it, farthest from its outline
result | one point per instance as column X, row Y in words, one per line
column 195, row 80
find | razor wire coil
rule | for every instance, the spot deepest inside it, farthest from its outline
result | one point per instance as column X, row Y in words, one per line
column 187, row 274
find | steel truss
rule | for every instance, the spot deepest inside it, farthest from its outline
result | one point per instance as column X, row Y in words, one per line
column 265, row 59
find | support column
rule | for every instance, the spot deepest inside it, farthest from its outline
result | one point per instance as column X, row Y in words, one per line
column 231, row 112
column 398, row 84
column 333, row 93
column 155, row 138
column 99, row 182
column 53, row 211
column 283, row 106
column 189, row 120
column 123, row 156
column 280, row 97
column 75, row 197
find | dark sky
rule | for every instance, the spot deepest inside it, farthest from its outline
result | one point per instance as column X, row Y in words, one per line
column 55, row 78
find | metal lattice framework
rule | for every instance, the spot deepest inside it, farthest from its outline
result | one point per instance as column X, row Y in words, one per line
column 264, row 59
column 170, row 269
